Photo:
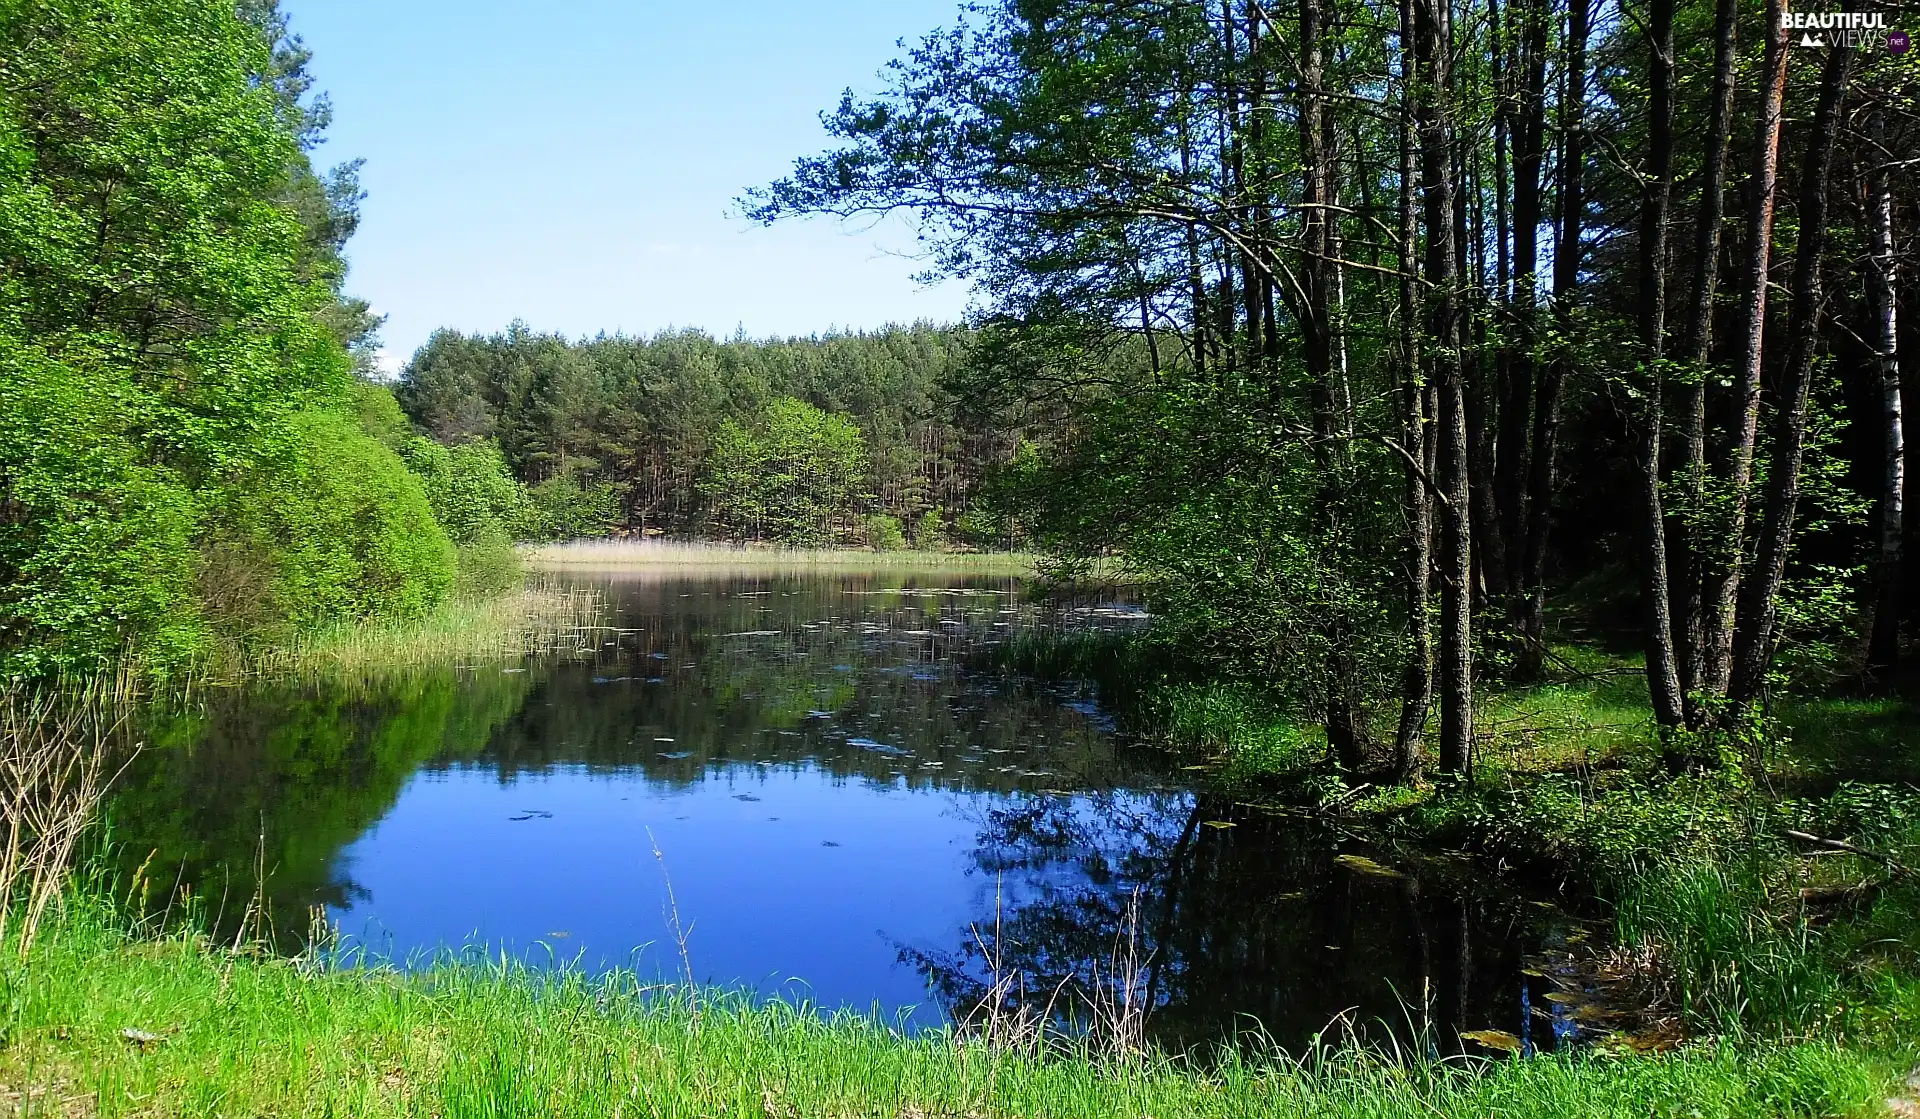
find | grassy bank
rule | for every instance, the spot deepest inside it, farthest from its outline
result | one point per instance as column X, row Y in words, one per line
column 99, row 1024
column 616, row 554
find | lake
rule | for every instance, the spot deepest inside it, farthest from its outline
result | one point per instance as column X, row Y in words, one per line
column 820, row 787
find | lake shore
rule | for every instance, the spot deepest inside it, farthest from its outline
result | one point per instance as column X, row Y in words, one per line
column 618, row 554
column 169, row 1025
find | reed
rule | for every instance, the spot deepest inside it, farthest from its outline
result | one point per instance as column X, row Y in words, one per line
column 615, row 554
column 546, row 618
column 54, row 748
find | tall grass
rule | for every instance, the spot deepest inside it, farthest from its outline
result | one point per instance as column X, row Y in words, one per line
column 1727, row 954
column 106, row 1026
column 703, row 554
column 542, row 619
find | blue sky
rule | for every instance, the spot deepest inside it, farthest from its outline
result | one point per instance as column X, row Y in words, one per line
column 574, row 163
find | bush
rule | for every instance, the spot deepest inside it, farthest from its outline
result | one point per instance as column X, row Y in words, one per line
column 340, row 530
column 488, row 566
column 883, row 532
column 96, row 546
column 930, row 531
column 566, row 509
column 472, row 493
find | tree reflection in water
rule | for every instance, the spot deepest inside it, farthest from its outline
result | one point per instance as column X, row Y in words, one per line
column 1247, row 925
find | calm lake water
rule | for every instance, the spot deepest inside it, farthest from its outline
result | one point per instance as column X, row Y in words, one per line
column 836, row 794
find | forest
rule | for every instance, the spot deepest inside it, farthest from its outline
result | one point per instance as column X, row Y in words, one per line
column 1385, row 332
column 1445, row 470
column 846, row 438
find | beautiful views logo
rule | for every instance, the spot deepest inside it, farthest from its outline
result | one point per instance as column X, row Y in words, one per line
column 1856, row 30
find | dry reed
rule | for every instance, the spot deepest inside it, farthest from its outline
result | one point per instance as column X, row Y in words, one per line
column 621, row 553
column 53, row 773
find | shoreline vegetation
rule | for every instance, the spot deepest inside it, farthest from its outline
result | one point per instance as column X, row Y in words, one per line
column 542, row 618
column 1770, row 1007
column 591, row 554
column 104, row 1024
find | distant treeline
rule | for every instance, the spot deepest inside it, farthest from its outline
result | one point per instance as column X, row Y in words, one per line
column 847, row 438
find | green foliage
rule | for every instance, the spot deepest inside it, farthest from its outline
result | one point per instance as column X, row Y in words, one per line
column 379, row 415
column 168, row 331
column 566, row 508
column 883, row 533
column 472, row 494
column 930, row 531
column 174, row 347
column 341, row 530
column 643, row 415
column 488, row 565
column 791, row 476
column 97, row 540
column 1262, row 560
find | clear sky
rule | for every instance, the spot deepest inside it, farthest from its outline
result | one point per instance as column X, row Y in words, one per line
column 574, row 163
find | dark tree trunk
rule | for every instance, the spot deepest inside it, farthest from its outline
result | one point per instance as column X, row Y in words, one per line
column 1528, row 27
column 1511, row 449
column 1444, row 338
column 1883, row 650
column 1663, row 681
column 1722, row 566
column 1344, row 733
column 1695, row 346
column 1546, row 404
column 1760, row 597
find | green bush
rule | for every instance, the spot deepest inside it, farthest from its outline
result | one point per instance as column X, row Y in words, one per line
column 930, row 531
column 340, row 530
column 96, row 545
column 883, row 533
column 488, row 565
column 567, row 509
column 471, row 491
column 379, row 414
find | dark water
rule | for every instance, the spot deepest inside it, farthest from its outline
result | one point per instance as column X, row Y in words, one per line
column 829, row 787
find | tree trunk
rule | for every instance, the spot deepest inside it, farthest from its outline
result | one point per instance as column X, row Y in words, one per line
column 1722, row 566
column 1444, row 343
column 1694, row 349
column 1663, row 681
column 1883, row 650
column 1528, row 26
column 1760, row 597
column 1316, row 327
column 1511, row 450
column 1546, row 404
column 1416, row 693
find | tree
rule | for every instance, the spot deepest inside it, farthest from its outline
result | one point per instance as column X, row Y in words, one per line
column 791, row 477
column 176, row 388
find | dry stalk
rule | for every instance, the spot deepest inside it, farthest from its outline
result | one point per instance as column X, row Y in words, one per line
column 53, row 751
column 680, row 932
column 1118, row 1000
